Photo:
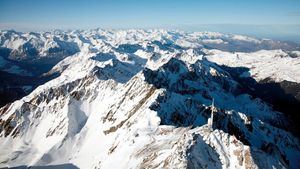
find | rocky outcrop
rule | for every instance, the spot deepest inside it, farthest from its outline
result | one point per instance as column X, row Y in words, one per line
column 115, row 106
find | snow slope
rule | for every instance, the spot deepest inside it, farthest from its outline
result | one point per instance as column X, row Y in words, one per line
column 141, row 99
column 47, row 47
column 277, row 64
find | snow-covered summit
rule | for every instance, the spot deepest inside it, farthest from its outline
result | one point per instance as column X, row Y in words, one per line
column 56, row 45
column 142, row 99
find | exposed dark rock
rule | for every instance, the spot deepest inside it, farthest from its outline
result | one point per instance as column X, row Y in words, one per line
column 282, row 96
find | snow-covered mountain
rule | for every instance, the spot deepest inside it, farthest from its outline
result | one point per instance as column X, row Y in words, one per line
column 51, row 47
column 142, row 99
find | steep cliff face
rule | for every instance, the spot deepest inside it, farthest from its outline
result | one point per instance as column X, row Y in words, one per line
column 144, row 105
column 29, row 56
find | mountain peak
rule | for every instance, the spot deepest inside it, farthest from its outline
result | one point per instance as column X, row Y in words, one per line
column 142, row 99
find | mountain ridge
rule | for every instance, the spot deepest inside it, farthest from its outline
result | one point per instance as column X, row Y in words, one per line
column 129, row 101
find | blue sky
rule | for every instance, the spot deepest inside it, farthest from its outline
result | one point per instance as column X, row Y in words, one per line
column 218, row 15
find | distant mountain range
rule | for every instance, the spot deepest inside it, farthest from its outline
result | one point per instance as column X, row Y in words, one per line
column 142, row 99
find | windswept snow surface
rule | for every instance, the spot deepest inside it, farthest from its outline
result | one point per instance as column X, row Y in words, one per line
column 141, row 99
column 277, row 64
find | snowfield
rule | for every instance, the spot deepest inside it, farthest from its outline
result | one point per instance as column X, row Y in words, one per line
column 142, row 99
column 262, row 64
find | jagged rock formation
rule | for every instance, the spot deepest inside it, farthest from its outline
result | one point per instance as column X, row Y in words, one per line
column 141, row 99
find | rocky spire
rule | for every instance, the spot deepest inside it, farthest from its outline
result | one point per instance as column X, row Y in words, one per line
column 211, row 119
